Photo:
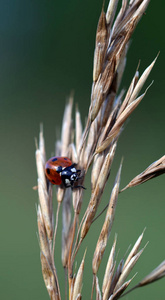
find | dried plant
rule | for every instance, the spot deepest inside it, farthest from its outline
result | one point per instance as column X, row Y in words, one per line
column 95, row 147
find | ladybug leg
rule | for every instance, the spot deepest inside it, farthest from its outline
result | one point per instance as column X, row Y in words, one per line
column 78, row 186
column 83, row 187
column 80, row 177
column 79, row 171
column 73, row 165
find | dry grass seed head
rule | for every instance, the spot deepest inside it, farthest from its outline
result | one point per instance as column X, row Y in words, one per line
column 98, row 144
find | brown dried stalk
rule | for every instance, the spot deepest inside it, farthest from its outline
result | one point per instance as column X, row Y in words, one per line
column 95, row 146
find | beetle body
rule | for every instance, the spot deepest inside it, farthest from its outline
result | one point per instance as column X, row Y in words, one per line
column 61, row 170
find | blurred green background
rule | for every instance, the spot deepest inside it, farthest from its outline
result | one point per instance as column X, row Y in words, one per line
column 46, row 51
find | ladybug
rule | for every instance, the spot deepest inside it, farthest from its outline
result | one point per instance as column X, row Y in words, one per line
column 61, row 170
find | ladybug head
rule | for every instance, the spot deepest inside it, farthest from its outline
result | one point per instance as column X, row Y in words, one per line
column 69, row 175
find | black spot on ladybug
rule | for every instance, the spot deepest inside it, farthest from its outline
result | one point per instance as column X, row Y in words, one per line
column 65, row 158
column 54, row 159
column 48, row 171
column 53, row 181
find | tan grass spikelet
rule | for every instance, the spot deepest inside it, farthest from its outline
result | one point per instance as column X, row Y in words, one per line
column 100, row 47
column 60, row 194
column 40, row 163
column 72, row 153
column 90, row 146
column 156, row 274
column 49, row 279
column 141, row 9
column 72, row 287
column 116, row 295
column 142, row 80
column 107, row 106
column 110, row 122
column 96, row 195
column 97, row 165
column 46, row 189
column 44, row 244
column 58, row 148
column 111, row 10
column 155, row 169
column 98, row 292
column 66, row 127
column 116, row 276
column 79, row 297
column 108, row 285
column 117, row 28
column 77, row 200
column 121, row 66
column 134, row 250
column 43, row 198
column 107, row 77
column 66, row 243
column 107, row 226
column 116, row 129
column 97, row 99
column 78, row 129
column 46, row 259
column 66, row 227
column 129, row 93
column 79, row 279
column 129, row 12
column 122, row 43
column 129, row 104
column 109, row 268
column 42, row 143
column 126, row 271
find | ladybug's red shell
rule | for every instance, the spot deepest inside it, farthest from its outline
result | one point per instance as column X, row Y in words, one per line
column 52, row 166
